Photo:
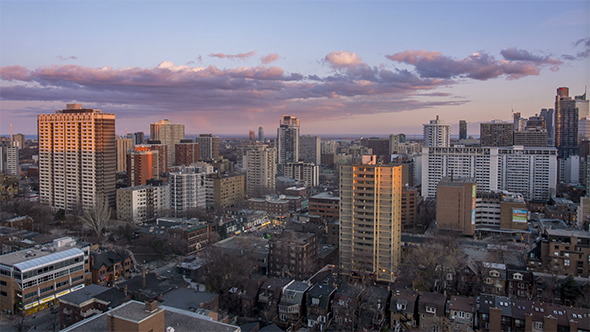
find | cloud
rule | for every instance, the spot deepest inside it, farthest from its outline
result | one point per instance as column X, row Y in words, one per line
column 584, row 54
column 239, row 56
column 66, row 58
column 272, row 57
column 352, row 87
column 198, row 58
column 480, row 65
column 15, row 73
column 342, row 60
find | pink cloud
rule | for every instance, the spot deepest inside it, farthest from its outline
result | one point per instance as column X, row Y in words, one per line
column 480, row 65
column 272, row 57
column 352, row 88
column 239, row 56
column 342, row 59
column 16, row 73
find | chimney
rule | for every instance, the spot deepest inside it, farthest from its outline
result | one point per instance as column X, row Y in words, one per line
column 143, row 276
column 151, row 306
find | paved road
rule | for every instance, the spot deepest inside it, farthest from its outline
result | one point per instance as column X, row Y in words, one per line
column 41, row 322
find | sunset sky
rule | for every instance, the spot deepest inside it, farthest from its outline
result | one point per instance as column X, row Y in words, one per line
column 341, row 67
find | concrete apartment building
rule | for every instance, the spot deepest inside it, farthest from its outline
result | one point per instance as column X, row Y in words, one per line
column 531, row 172
column 566, row 123
column 370, row 220
column 325, row 205
column 288, row 140
column 261, row 169
column 142, row 165
column 496, row 133
column 208, row 146
column 124, row 144
column 144, row 203
column 437, row 133
column 562, row 251
column 308, row 172
column 531, row 137
column 188, row 188
column 168, row 134
column 187, row 152
column 34, row 279
column 228, row 189
column 455, row 205
column 310, row 149
column 77, row 157
column 409, row 205
column 293, row 255
column 9, row 158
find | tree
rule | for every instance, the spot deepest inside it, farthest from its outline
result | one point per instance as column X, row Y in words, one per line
column 18, row 321
column 225, row 270
column 569, row 290
column 55, row 322
column 430, row 264
column 98, row 216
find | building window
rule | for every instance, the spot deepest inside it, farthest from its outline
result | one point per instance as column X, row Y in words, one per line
column 431, row 310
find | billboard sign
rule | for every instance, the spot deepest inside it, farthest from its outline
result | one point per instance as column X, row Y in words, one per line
column 519, row 215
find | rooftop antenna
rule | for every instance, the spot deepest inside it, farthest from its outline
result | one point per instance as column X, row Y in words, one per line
column 11, row 138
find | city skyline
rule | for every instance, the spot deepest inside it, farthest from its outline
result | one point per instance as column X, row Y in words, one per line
column 340, row 67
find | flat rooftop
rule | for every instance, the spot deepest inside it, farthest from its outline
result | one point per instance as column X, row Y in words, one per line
column 38, row 256
column 326, row 195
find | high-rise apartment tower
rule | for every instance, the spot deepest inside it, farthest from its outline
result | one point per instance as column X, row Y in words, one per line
column 168, row 134
column 566, row 124
column 77, row 157
column 437, row 133
column 370, row 220
column 288, row 140
column 462, row 129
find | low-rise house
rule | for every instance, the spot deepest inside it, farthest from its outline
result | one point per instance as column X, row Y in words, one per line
column 431, row 310
column 346, row 307
column 269, row 296
column 374, row 306
column 519, row 282
column 319, row 306
column 462, row 313
column 88, row 301
column 20, row 222
column 248, row 295
column 292, row 305
column 494, row 278
column 499, row 313
column 107, row 266
column 403, row 308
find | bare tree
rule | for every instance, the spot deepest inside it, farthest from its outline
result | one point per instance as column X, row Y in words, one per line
column 18, row 322
column 434, row 265
column 98, row 217
column 226, row 270
column 55, row 322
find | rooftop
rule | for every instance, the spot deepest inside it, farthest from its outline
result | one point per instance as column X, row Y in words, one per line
column 84, row 294
column 180, row 320
column 32, row 257
column 326, row 195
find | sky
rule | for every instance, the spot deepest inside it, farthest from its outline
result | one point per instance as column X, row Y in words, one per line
column 341, row 67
